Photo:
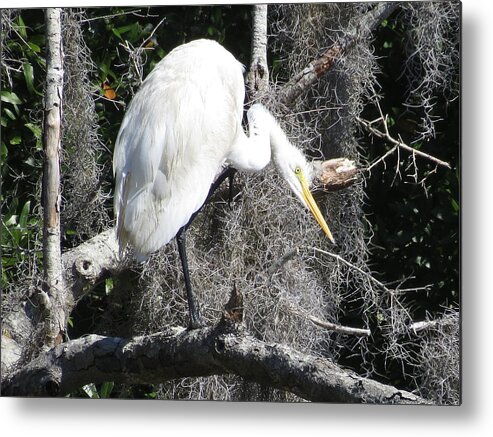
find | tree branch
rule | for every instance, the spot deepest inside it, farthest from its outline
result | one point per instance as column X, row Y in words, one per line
column 424, row 325
column 396, row 143
column 340, row 329
column 334, row 174
column 52, row 257
column 257, row 80
column 91, row 262
column 223, row 349
column 307, row 77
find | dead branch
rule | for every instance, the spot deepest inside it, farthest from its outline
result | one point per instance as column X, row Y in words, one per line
column 223, row 349
column 334, row 174
column 302, row 81
column 369, row 125
column 340, row 329
column 347, row 263
column 425, row 325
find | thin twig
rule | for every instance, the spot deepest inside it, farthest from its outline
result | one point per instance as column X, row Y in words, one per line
column 141, row 47
column 397, row 143
column 102, row 17
column 430, row 324
column 341, row 259
column 340, row 329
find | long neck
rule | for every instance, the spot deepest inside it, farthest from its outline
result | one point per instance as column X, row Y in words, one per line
column 266, row 138
column 284, row 153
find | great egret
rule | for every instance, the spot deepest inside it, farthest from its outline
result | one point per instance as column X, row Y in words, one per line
column 181, row 131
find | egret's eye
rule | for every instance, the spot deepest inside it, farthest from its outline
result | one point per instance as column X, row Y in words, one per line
column 297, row 170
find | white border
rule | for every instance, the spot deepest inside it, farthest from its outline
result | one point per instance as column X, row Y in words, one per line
column 122, row 418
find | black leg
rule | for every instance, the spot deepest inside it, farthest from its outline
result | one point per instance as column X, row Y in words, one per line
column 231, row 177
column 193, row 309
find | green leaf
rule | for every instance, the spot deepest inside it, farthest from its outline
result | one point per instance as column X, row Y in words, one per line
column 9, row 113
column 34, row 47
column 91, row 391
column 38, row 133
column 127, row 28
column 31, row 162
column 10, row 97
column 24, row 215
column 29, row 76
column 108, row 285
column 21, row 27
column 117, row 33
column 4, row 151
column 106, row 389
column 11, row 221
column 15, row 140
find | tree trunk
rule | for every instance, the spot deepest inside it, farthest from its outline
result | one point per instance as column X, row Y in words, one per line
column 52, row 257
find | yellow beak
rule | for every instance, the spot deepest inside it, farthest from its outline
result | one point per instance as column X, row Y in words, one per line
column 310, row 201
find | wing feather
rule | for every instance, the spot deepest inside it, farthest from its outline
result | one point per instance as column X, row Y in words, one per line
column 173, row 142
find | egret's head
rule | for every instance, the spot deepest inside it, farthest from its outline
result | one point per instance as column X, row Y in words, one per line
column 295, row 169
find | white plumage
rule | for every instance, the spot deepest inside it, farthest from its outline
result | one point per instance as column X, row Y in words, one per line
column 182, row 128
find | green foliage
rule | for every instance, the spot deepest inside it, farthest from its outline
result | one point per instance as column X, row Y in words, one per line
column 413, row 205
column 19, row 234
column 101, row 391
column 21, row 145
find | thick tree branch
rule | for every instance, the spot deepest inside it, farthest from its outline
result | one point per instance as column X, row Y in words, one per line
column 83, row 268
column 91, row 262
column 257, row 80
column 223, row 349
column 52, row 257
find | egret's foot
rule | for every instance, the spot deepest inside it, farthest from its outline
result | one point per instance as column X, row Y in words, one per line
column 196, row 322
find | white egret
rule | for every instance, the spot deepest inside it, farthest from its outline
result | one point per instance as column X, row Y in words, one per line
column 182, row 129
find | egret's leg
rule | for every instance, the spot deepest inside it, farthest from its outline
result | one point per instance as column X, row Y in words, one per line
column 231, row 176
column 193, row 309
column 195, row 319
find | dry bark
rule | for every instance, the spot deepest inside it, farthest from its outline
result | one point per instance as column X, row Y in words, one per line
column 257, row 81
column 53, row 289
column 223, row 349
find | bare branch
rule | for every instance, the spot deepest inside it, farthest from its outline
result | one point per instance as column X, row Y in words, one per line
column 424, row 325
column 396, row 143
column 347, row 330
column 342, row 260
